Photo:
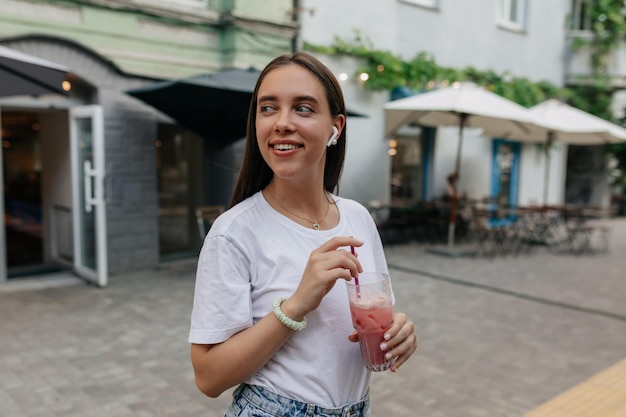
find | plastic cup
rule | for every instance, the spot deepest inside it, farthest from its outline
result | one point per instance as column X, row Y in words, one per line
column 372, row 315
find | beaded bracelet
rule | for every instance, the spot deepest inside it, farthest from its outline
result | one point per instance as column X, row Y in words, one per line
column 290, row 323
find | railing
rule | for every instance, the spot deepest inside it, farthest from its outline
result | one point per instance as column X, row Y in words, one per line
column 578, row 68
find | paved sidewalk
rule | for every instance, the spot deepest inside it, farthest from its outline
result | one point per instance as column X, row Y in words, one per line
column 497, row 337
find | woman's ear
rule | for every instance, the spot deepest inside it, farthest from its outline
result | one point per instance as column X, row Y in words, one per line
column 333, row 138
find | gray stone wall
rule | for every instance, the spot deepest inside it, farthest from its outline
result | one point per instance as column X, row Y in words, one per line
column 221, row 168
column 131, row 183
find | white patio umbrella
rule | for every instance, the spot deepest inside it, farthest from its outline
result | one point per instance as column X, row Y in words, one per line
column 573, row 126
column 24, row 74
column 463, row 105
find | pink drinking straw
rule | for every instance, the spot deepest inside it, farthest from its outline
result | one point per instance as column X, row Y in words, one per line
column 356, row 279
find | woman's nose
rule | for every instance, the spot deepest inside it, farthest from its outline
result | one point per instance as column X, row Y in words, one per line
column 283, row 122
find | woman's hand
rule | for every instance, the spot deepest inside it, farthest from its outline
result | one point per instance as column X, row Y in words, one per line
column 325, row 266
column 400, row 340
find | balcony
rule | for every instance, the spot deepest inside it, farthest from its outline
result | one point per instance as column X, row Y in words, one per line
column 578, row 62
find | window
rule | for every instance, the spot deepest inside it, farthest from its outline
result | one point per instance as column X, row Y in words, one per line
column 504, row 178
column 411, row 152
column 180, row 192
column 581, row 20
column 406, row 168
column 511, row 14
column 173, row 4
column 431, row 4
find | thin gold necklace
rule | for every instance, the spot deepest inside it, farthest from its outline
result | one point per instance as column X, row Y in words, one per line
column 314, row 225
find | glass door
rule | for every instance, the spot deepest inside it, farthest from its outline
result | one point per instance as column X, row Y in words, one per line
column 89, row 218
column 504, row 181
column 3, row 259
column 504, row 171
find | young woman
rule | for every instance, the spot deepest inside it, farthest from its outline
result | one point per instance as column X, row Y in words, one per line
column 270, row 312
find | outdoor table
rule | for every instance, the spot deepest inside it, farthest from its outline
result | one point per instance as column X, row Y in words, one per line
column 541, row 225
column 494, row 230
column 514, row 229
column 581, row 230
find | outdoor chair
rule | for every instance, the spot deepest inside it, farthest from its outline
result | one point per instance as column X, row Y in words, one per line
column 543, row 226
column 584, row 236
column 491, row 239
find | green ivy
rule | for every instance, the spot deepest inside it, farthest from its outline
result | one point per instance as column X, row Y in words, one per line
column 388, row 71
column 608, row 27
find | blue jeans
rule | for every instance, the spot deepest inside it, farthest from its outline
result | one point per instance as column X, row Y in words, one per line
column 254, row 401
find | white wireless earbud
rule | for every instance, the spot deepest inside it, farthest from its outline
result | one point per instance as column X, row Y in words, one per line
column 333, row 138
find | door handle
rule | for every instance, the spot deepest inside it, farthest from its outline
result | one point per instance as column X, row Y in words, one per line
column 90, row 175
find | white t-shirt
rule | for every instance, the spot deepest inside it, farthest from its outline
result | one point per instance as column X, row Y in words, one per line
column 253, row 255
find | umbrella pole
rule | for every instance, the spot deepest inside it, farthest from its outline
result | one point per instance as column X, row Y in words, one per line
column 546, row 174
column 457, row 169
column 457, row 165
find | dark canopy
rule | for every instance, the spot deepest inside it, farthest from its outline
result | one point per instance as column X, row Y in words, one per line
column 214, row 106
column 23, row 74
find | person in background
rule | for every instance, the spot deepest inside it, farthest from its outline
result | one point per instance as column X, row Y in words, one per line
column 270, row 312
column 451, row 186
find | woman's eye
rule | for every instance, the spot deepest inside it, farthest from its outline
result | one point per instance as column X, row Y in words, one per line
column 303, row 109
column 265, row 109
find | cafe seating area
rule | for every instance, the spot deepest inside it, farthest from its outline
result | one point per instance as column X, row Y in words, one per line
column 487, row 229
column 422, row 222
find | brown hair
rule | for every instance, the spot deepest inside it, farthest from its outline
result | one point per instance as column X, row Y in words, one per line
column 255, row 174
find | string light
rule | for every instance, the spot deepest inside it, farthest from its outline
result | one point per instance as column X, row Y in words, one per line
column 393, row 147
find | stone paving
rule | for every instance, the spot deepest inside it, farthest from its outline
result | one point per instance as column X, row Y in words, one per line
column 497, row 337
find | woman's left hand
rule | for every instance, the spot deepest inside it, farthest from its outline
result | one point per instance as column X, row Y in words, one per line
column 400, row 340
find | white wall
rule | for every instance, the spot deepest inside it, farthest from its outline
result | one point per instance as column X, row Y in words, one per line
column 533, row 170
column 463, row 33
column 459, row 34
column 475, row 175
column 377, row 20
column 367, row 168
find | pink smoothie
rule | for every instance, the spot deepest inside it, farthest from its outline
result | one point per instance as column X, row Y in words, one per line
column 371, row 321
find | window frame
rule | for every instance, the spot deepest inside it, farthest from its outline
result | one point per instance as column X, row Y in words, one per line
column 427, row 4
column 580, row 22
column 504, row 12
column 174, row 4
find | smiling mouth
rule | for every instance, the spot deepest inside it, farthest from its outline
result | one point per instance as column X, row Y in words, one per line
column 285, row 147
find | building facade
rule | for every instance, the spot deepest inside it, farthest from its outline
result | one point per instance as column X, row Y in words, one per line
column 525, row 38
column 98, row 181
column 101, row 183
